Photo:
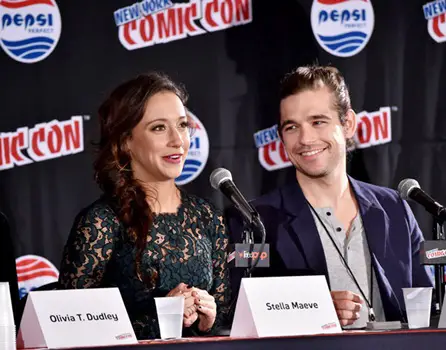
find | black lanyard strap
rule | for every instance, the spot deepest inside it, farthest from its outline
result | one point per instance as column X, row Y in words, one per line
column 368, row 302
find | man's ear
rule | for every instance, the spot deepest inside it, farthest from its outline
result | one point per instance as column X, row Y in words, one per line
column 350, row 124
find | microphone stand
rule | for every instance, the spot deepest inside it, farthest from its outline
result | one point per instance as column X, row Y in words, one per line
column 248, row 238
column 439, row 235
column 249, row 226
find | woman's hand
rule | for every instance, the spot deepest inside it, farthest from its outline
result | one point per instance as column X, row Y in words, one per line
column 190, row 314
column 206, row 308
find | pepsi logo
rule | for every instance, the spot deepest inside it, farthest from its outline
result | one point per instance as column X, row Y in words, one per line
column 342, row 27
column 34, row 271
column 29, row 29
column 198, row 153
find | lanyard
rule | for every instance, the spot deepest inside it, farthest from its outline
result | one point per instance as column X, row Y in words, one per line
column 368, row 302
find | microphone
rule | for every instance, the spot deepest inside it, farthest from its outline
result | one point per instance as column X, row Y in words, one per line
column 221, row 179
column 244, row 253
column 431, row 252
column 410, row 189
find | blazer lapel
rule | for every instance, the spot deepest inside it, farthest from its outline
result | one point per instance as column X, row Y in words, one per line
column 302, row 229
column 376, row 227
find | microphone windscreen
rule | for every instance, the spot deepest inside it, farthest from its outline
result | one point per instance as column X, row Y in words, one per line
column 219, row 176
column 406, row 186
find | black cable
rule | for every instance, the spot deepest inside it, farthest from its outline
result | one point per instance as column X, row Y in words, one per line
column 369, row 303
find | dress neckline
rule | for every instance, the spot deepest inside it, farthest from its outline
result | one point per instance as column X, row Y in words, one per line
column 180, row 209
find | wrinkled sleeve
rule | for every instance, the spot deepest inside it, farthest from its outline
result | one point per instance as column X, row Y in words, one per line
column 420, row 275
column 221, row 286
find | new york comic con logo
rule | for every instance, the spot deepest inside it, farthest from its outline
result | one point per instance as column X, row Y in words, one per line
column 435, row 13
column 44, row 141
column 198, row 153
column 151, row 22
column 342, row 27
column 29, row 29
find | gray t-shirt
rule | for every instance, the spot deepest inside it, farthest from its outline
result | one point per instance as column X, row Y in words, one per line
column 356, row 253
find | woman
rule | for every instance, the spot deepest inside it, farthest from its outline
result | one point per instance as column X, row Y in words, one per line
column 145, row 235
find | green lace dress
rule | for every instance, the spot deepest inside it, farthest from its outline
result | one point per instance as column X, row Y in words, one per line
column 189, row 247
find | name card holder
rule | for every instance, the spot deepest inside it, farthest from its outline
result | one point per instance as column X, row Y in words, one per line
column 75, row 318
column 442, row 320
column 284, row 306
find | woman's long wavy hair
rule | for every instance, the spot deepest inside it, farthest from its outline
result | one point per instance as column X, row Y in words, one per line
column 118, row 115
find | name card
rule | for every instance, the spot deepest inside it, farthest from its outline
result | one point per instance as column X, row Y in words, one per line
column 75, row 318
column 284, row 306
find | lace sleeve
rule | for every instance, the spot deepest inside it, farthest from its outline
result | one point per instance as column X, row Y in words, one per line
column 221, row 288
column 89, row 247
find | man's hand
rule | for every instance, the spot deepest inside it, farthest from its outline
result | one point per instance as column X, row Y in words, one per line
column 347, row 305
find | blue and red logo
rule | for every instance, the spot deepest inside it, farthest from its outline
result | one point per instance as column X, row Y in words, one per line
column 435, row 13
column 272, row 153
column 342, row 27
column 198, row 153
column 29, row 29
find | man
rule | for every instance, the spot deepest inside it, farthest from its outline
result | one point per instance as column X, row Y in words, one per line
column 362, row 237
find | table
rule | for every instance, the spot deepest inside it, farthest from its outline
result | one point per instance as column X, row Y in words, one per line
column 354, row 340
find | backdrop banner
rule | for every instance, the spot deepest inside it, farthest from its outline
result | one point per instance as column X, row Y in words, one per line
column 60, row 59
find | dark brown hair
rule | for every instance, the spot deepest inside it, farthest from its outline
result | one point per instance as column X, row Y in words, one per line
column 314, row 77
column 118, row 115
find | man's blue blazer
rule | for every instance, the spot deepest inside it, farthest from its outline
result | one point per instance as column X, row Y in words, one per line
column 392, row 232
